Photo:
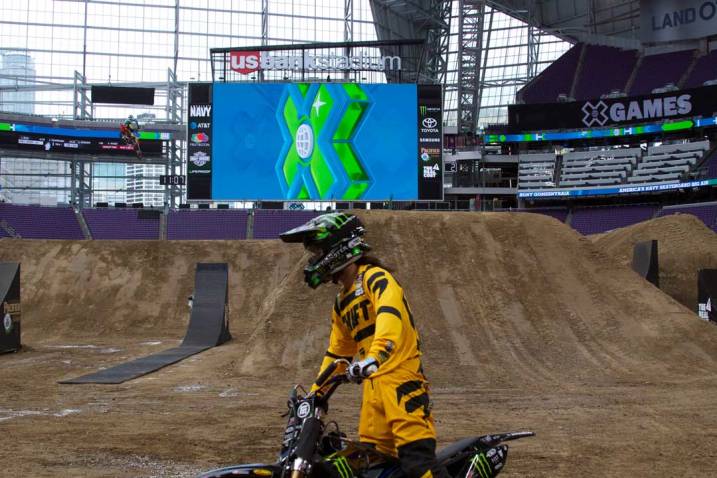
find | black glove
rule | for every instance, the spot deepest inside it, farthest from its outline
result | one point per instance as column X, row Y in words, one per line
column 362, row 369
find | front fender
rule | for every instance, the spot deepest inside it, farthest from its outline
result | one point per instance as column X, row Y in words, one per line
column 252, row 470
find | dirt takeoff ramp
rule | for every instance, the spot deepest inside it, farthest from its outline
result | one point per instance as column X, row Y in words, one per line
column 208, row 328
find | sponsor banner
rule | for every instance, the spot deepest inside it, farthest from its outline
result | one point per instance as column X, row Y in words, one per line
column 707, row 294
column 199, row 145
column 75, row 144
column 673, row 20
column 430, row 142
column 611, row 190
column 250, row 61
column 614, row 111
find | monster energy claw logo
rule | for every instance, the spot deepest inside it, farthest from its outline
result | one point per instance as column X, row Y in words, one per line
column 424, row 110
column 481, row 465
column 342, row 466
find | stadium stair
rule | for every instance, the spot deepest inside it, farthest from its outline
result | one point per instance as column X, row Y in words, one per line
column 162, row 227
column 83, row 224
column 250, row 226
column 688, row 71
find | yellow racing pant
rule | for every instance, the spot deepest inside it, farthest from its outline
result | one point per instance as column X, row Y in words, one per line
column 396, row 419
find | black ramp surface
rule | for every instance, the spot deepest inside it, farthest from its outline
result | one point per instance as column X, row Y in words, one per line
column 645, row 263
column 208, row 327
column 10, row 310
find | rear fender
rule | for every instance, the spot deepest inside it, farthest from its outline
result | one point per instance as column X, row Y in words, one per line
column 252, row 470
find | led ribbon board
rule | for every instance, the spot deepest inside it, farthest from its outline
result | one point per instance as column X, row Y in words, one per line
column 651, row 128
column 37, row 137
column 612, row 190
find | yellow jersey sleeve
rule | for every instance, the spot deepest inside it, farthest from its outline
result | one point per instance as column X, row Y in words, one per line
column 341, row 344
column 387, row 298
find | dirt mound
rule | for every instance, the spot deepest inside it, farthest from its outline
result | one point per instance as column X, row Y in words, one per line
column 685, row 245
column 525, row 324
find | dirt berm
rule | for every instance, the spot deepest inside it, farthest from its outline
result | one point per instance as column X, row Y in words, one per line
column 685, row 245
column 525, row 325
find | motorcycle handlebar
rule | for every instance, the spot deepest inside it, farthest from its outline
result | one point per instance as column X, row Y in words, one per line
column 324, row 381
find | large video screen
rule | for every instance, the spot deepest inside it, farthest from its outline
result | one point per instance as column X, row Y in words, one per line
column 315, row 141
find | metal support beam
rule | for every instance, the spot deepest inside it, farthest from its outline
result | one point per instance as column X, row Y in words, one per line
column 82, row 104
column 437, row 40
column 348, row 30
column 175, row 154
column 470, row 43
column 81, row 185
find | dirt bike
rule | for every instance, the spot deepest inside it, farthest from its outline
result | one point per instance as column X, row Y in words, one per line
column 311, row 449
column 131, row 138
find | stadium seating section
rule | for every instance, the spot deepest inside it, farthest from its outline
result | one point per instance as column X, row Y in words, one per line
column 120, row 224
column 592, row 71
column 269, row 223
column 604, row 167
column 36, row 222
column 593, row 220
column 594, row 79
column 207, row 224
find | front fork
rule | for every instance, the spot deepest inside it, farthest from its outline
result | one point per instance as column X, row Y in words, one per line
column 299, row 468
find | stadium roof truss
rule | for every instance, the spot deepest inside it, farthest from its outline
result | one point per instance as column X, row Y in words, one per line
column 576, row 20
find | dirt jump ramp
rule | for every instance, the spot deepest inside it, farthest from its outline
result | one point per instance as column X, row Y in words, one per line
column 208, row 328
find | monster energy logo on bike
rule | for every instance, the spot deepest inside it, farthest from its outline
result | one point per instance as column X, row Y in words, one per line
column 481, row 465
column 342, row 466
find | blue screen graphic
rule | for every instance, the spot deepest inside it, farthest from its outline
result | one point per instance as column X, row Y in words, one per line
column 330, row 141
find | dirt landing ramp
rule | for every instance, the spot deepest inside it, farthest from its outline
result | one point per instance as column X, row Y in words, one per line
column 524, row 323
column 208, row 328
column 686, row 245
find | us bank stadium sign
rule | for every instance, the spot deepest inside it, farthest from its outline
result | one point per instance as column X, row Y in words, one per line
column 614, row 111
column 246, row 62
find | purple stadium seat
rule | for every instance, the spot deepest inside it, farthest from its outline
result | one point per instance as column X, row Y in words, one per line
column 705, row 70
column 706, row 213
column 120, row 224
column 656, row 71
column 207, row 224
column 38, row 222
column 594, row 220
column 604, row 69
column 555, row 79
column 269, row 223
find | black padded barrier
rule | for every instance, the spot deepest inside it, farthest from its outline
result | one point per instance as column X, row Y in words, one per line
column 10, row 307
column 208, row 327
column 645, row 262
column 707, row 294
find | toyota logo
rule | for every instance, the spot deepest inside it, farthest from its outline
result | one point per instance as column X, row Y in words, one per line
column 429, row 123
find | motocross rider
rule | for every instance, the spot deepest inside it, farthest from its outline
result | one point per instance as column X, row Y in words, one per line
column 130, row 127
column 371, row 317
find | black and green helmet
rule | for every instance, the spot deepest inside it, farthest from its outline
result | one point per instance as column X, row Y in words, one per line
column 335, row 240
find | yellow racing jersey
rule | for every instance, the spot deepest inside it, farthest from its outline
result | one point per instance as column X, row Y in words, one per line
column 373, row 319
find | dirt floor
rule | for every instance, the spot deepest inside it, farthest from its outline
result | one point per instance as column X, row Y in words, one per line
column 684, row 246
column 526, row 326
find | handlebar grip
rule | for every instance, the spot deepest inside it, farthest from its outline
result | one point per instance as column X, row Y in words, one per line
column 326, row 374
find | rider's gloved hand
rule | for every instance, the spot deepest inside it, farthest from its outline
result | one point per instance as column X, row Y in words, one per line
column 362, row 369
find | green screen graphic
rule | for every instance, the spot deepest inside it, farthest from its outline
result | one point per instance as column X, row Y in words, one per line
column 330, row 123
